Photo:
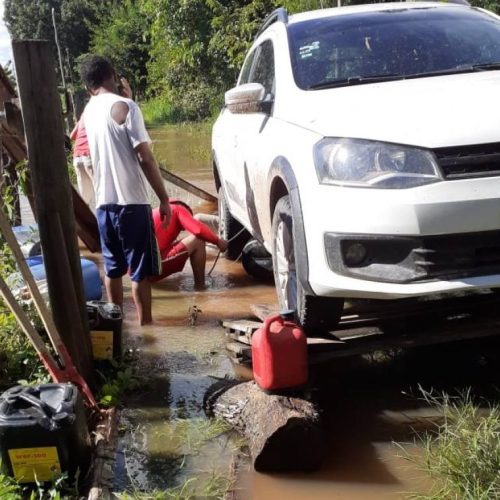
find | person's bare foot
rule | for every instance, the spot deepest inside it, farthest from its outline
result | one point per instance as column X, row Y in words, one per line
column 145, row 321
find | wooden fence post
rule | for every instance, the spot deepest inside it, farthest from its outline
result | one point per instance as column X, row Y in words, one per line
column 42, row 117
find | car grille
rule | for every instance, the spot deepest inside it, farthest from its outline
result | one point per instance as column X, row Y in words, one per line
column 471, row 254
column 406, row 259
column 462, row 162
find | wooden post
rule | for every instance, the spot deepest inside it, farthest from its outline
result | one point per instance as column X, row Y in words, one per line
column 42, row 117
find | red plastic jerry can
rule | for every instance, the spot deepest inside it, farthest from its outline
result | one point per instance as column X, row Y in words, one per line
column 279, row 354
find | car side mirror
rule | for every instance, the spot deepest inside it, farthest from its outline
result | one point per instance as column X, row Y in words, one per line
column 247, row 98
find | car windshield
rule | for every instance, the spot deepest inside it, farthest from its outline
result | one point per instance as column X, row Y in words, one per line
column 392, row 44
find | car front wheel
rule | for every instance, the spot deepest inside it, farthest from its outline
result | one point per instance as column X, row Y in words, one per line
column 315, row 314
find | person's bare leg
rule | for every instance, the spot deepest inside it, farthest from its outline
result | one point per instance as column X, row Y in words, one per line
column 212, row 221
column 198, row 258
column 114, row 290
column 141, row 293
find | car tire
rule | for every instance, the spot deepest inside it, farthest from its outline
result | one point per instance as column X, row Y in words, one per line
column 230, row 229
column 316, row 315
column 257, row 261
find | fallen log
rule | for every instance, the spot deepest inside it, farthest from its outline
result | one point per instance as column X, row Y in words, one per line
column 283, row 432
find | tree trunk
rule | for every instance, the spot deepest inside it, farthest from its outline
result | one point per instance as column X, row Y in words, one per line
column 283, row 431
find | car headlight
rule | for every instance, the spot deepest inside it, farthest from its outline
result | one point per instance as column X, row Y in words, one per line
column 363, row 163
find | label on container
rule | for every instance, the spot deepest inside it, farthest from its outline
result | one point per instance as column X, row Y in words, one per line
column 35, row 464
column 102, row 344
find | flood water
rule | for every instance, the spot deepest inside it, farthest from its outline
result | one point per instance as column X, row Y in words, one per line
column 367, row 406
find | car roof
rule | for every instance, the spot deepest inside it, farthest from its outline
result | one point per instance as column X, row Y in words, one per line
column 355, row 9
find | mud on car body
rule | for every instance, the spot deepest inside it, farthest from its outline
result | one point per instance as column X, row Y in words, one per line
column 361, row 146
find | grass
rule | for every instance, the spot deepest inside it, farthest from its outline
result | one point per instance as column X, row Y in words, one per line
column 18, row 359
column 9, row 489
column 216, row 486
column 158, row 111
column 58, row 489
column 462, row 455
column 188, row 437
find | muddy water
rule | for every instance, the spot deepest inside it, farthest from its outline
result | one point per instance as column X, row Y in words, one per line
column 161, row 446
column 367, row 405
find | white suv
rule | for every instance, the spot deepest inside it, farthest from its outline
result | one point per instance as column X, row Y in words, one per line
column 361, row 146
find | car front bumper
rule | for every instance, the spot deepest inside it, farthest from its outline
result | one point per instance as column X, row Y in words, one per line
column 433, row 239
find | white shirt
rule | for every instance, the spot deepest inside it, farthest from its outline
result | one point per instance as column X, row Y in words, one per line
column 118, row 177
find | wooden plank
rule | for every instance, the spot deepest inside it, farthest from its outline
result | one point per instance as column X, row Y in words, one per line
column 244, row 326
column 6, row 89
column 105, row 439
column 242, row 330
column 13, row 143
column 41, row 108
column 187, row 186
column 442, row 332
column 86, row 223
column 14, row 118
column 239, row 349
column 262, row 311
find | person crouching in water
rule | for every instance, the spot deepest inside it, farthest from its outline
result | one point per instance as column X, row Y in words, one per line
column 174, row 253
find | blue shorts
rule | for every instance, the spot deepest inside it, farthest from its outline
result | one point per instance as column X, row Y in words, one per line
column 128, row 241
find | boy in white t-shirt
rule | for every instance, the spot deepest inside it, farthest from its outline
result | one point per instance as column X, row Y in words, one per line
column 122, row 161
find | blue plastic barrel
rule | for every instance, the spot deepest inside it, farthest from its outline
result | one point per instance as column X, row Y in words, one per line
column 91, row 280
column 33, row 261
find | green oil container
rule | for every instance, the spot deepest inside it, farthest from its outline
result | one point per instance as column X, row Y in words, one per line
column 43, row 433
column 105, row 322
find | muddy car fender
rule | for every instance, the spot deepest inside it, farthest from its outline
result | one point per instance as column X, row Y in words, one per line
column 281, row 174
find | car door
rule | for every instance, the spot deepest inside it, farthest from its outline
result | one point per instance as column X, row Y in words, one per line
column 228, row 156
column 251, row 141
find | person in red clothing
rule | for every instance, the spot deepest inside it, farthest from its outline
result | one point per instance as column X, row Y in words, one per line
column 83, row 163
column 174, row 253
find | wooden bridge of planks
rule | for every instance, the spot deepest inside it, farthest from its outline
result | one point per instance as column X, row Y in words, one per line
column 370, row 327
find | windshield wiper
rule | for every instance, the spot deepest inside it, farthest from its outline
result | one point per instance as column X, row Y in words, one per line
column 355, row 80
column 486, row 66
column 359, row 80
column 463, row 68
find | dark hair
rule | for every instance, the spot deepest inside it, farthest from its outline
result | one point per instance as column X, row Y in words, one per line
column 182, row 204
column 95, row 70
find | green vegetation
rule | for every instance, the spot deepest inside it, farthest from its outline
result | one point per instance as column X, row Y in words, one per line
column 179, row 55
column 188, row 436
column 462, row 455
column 216, row 486
column 118, row 378
column 9, row 489
column 157, row 111
column 58, row 489
column 18, row 359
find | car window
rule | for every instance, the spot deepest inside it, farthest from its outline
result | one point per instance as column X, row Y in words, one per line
column 401, row 42
column 263, row 71
column 245, row 71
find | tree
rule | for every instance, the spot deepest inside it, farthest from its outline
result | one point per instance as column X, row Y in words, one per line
column 234, row 26
column 180, row 64
column 123, row 35
column 32, row 19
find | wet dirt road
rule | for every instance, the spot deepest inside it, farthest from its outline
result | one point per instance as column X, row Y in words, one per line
column 367, row 405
